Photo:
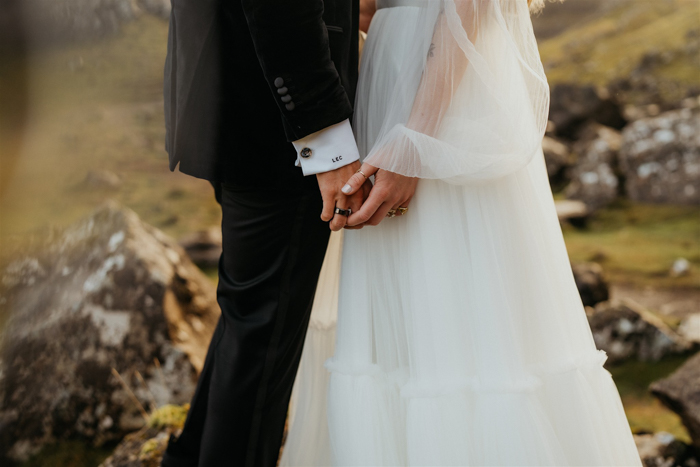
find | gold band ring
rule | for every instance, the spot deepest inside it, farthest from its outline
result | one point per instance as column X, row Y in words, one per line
column 402, row 210
column 362, row 173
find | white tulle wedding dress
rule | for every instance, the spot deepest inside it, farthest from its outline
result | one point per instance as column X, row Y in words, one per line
column 461, row 339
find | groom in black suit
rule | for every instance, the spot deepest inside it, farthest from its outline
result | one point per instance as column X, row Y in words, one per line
column 258, row 96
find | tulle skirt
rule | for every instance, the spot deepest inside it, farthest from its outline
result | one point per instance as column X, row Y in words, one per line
column 461, row 338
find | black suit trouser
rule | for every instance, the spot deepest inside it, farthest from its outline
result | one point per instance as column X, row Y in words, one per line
column 274, row 242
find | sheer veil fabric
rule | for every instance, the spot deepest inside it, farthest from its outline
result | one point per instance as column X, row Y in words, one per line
column 471, row 101
column 460, row 337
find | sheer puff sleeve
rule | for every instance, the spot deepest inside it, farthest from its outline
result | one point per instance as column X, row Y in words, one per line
column 478, row 108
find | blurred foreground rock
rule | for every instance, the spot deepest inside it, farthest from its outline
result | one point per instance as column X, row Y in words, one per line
column 660, row 158
column 107, row 293
column 680, row 392
column 624, row 330
column 593, row 178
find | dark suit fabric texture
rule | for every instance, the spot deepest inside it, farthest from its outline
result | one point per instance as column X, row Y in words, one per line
column 243, row 78
column 225, row 118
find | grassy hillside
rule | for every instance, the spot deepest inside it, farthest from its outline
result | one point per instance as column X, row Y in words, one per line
column 602, row 41
column 99, row 106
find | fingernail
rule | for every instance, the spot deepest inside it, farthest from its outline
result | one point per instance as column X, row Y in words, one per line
column 346, row 189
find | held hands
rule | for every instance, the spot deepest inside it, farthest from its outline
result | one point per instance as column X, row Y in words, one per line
column 390, row 191
column 330, row 184
column 369, row 204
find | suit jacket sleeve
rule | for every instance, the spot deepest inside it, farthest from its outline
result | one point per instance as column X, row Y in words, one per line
column 291, row 42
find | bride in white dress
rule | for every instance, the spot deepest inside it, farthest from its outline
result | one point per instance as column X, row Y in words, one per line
column 461, row 338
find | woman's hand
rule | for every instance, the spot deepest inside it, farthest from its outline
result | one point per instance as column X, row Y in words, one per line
column 390, row 191
column 367, row 10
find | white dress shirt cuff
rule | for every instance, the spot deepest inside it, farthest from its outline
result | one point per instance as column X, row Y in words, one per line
column 327, row 149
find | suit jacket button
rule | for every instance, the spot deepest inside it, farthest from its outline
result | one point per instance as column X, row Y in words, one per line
column 282, row 91
column 306, row 153
column 279, row 82
column 290, row 106
column 286, row 99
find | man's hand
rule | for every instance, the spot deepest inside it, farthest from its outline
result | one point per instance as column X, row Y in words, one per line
column 390, row 191
column 331, row 184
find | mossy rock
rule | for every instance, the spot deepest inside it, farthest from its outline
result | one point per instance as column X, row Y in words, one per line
column 145, row 448
column 169, row 416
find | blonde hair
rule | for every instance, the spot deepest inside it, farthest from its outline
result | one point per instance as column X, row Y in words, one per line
column 537, row 5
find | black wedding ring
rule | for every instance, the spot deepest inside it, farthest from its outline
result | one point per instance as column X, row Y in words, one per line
column 343, row 212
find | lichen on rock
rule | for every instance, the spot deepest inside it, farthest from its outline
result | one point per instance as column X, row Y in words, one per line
column 106, row 319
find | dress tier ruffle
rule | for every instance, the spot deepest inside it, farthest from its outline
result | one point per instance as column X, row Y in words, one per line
column 553, row 419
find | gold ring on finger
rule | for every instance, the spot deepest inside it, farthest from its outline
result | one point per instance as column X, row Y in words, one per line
column 362, row 173
column 391, row 213
column 402, row 210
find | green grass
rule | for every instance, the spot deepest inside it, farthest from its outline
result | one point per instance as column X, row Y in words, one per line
column 638, row 243
column 611, row 45
column 644, row 412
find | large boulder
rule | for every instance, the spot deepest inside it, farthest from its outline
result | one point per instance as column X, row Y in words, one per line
column 681, row 393
column 105, row 320
column 593, row 178
column 660, row 158
column 626, row 330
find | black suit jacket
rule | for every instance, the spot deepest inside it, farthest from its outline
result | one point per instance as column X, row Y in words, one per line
column 243, row 78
